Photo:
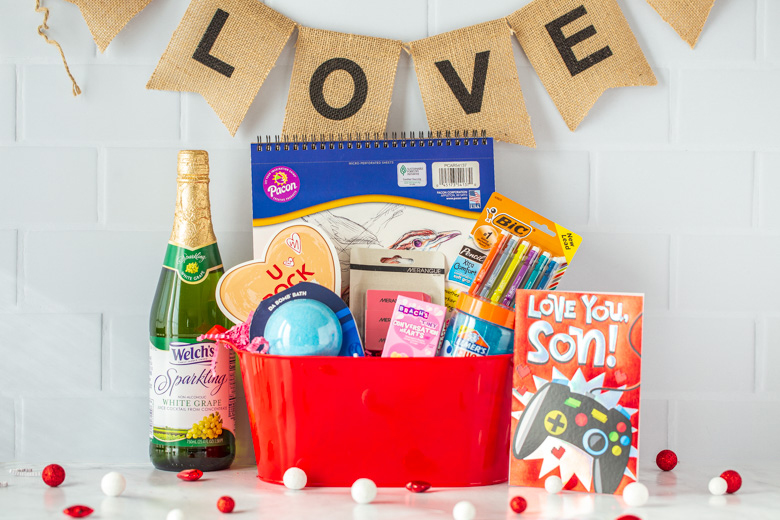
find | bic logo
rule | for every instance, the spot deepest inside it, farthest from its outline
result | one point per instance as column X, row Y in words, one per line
column 514, row 226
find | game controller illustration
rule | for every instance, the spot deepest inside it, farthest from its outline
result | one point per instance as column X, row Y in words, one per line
column 556, row 411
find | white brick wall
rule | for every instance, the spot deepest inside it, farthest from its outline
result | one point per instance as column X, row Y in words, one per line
column 7, row 268
column 673, row 187
column 58, row 184
column 768, row 190
column 7, row 103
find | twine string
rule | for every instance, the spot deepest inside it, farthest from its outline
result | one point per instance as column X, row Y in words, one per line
column 45, row 26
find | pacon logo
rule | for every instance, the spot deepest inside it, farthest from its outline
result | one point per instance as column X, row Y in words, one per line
column 281, row 184
column 511, row 224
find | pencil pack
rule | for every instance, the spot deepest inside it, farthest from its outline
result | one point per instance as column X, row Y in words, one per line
column 510, row 248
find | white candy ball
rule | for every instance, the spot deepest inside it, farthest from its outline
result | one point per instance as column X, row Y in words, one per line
column 718, row 486
column 175, row 514
column 636, row 494
column 553, row 485
column 294, row 478
column 113, row 484
column 464, row 510
column 363, row 491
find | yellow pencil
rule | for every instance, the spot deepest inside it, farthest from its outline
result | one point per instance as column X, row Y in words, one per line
column 510, row 271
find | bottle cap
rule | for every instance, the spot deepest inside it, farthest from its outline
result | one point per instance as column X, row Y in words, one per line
column 486, row 310
column 193, row 165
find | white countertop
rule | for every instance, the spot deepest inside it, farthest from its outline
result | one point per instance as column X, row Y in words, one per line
column 150, row 494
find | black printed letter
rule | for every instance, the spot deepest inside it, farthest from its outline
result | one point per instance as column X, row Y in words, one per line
column 470, row 102
column 317, row 84
column 203, row 52
column 565, row 44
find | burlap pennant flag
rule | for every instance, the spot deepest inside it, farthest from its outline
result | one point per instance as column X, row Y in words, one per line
column 105, row 18
column 468, row 80
column 223, row 49
column 687, row 17
column 342, row 84
column 579, row 49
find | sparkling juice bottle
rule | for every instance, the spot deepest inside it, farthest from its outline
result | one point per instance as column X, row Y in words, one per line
column 192, row 408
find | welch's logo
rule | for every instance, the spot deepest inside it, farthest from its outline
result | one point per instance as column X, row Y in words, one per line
column 191, row 353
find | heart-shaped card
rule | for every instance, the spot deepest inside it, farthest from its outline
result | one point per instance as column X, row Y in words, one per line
column 298, row 253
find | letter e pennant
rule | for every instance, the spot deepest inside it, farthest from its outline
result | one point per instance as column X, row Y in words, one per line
column 468, row 81
column 580, row 48
column 223, row 49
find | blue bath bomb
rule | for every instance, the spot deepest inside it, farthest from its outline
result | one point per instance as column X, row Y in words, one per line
column 303, row 328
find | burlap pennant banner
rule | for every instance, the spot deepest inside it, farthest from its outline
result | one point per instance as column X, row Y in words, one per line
column 468, row 80
column 687, row 17
column 105, row 18
column 224, row 50
column 580, row 48
column 341, row 85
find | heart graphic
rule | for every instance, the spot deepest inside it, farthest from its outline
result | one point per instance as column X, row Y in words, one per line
column 558, row 452
column 243, row 287
column 294, row 242
column 523, row 370
column 620, row 377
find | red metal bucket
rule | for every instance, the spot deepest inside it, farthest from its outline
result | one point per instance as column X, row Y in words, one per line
column 442, row 420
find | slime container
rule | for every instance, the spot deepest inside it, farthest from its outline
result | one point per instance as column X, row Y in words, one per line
column 478, row 328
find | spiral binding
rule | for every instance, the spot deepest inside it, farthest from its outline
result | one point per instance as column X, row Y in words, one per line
column 367, row 141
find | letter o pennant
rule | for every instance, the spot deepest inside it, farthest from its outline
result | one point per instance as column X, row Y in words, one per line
column 341, row 84
column 317, row 88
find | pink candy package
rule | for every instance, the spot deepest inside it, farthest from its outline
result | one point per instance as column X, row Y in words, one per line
column 415, row 329
column 379, row 310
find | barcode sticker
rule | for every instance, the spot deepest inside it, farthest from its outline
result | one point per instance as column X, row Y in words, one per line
column 463, row 174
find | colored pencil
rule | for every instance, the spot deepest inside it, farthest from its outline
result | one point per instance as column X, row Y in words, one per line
column 539, row 266
column 510, row 271
column 509, row 298
column 487, row 264
column 503, row 258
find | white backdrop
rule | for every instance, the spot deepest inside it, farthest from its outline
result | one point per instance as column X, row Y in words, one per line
column 673, row 188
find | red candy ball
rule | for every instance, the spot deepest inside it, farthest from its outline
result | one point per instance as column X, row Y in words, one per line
column 666, row 460
column 418, row 486
column 190, row 474
column 226, row 504
column 628, row 517
column 53, row 475
column 733, row 479
column 78, row 511
column 518, row 504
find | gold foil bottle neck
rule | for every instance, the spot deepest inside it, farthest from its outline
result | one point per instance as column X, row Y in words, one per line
column 193, row 165
column 192, row 220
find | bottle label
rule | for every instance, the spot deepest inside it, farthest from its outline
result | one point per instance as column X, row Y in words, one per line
column 192, row 265
column 190, row 405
